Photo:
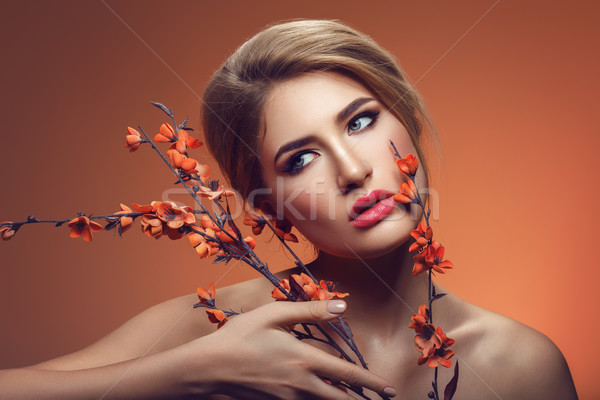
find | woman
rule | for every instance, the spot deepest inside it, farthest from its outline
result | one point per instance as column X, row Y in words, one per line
column 300, row 118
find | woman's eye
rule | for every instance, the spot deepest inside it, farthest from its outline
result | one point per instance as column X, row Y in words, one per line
column 362, row 121
column 297, row 162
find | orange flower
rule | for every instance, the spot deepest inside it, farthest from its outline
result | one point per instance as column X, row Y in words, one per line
column 217, row 317
column 213, row 191
column 438, row 354
column 175, row 217
column 184, row 141
column 408, row 193
column 133, row 140
column 278, row 294
column 164, row 218
column 422, row 235
column 207, row 297
column 227, row 236
column 125, row 221
column 142, row 208
column 408, row 165
column 324, row 291
column 173, row 234
column 283, row 229
column 82, row 226
column 207, row 223
column 426, row 339
column 7, row 231
column 435, row 258
column 178, row 160
column 420, row 318
column 327, row 291
column 257, row 223
column 204, row 247
column 432, row 257
column 152, row 226
column 166, row 135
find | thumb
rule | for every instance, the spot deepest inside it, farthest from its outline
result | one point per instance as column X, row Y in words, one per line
column 287, row 313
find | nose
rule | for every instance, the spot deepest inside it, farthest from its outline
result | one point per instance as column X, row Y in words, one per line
column 352, row 169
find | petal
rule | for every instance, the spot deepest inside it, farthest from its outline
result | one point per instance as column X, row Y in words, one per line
column 401, row 198
column 189, row 164
column 193, row 143
column 203, row 295
column 133, row 140
column 180, row 146
column 445, row 363
column 166, row 130
column 278, row 295
column 418, row 268
column 195, row 238
column 160, row 138
column 96, row 227
column 132, row 131
column 7, row 234
column 86, row 234
column 74, row 233
column 141, row 208
column 215, row 316
column 202, row 249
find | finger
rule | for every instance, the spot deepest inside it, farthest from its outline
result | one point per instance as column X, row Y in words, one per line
column 354, row 375
column 284, row 314
column 323, row 390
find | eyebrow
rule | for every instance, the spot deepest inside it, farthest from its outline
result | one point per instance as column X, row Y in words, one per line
column 293, row 145
column 352, row 107
column 341, row 117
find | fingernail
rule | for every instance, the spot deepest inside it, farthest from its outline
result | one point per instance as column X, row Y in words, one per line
column 389, row 391
column 336, row 306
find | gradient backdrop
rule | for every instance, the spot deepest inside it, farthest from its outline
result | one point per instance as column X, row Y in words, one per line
column 512, row 86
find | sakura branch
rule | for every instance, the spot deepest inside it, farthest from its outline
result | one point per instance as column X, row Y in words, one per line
column 430, row 341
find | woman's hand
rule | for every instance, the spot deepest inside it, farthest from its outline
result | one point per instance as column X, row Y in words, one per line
column 254, row 356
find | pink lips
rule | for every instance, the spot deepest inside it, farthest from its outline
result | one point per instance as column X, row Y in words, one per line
column 372, row 208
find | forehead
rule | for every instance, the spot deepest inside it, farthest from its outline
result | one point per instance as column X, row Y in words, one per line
column 306, row 105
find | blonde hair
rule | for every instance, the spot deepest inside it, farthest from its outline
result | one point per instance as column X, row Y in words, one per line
column 233, row 100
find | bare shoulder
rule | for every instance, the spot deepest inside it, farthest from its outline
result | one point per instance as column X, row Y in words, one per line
column 511, row 359
column 160, row 327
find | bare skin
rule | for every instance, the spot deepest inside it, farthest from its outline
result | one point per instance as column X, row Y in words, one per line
column 499, row 357
column 173, row 351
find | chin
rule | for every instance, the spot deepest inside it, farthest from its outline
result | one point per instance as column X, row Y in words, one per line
column 371, row 243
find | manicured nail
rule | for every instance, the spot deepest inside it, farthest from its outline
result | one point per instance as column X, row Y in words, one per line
column 336, row 306
column 389, row 392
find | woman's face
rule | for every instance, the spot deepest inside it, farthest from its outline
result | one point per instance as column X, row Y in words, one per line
column 326, row 145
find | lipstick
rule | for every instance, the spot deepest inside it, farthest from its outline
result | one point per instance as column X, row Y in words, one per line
column 371, row 208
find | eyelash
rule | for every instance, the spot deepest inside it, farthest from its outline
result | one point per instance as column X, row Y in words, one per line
column 373, row 114
column 290, row 167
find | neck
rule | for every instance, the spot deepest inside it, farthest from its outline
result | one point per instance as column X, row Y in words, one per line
column 377, row 286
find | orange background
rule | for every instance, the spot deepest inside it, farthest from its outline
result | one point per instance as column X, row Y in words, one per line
column 512, row 93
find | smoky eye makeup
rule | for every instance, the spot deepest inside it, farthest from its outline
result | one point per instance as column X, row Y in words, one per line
column 364, row 120
column 359, row 123
column 298, row 161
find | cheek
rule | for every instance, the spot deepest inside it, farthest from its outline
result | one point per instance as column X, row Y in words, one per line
column 402, row 140
column 307, row 201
